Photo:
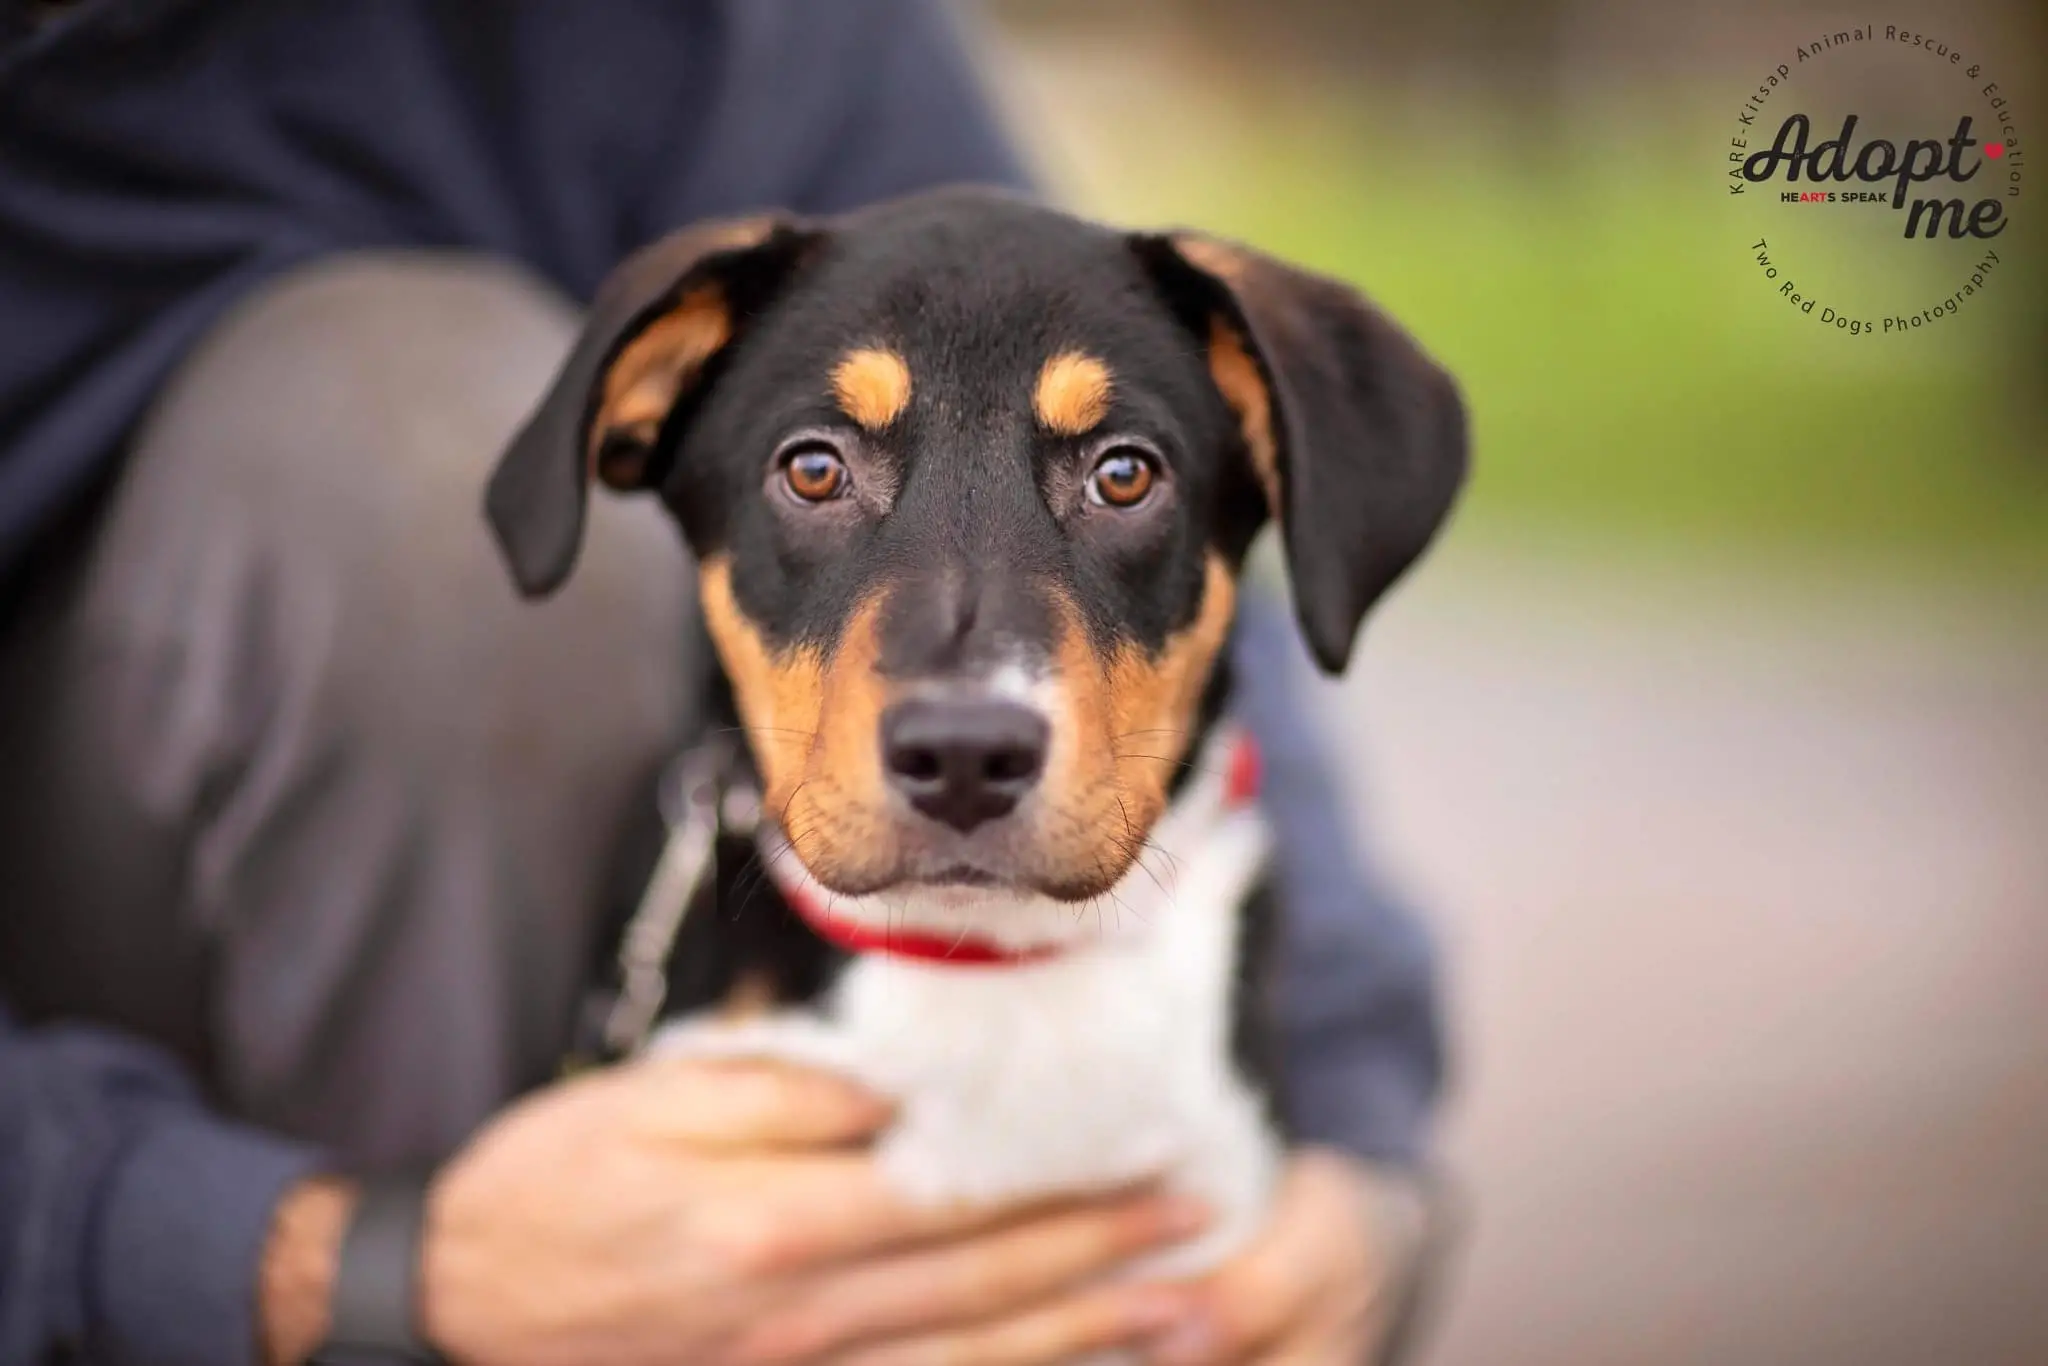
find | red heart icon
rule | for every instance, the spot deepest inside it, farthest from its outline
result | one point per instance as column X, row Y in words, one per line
column 1994, row 150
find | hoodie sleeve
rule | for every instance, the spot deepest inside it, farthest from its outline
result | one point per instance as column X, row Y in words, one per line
column 1360, row 1013
column 131, row 1220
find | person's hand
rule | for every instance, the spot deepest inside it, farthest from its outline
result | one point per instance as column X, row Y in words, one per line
column 1315, row 1289
column 708, row 1213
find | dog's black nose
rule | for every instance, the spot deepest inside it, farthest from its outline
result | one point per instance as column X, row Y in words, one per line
column 965, row 760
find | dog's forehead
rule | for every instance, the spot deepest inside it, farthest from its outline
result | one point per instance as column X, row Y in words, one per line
column 971, row 245
column 983, row 302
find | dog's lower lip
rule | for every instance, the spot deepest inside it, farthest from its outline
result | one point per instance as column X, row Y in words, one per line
column 962, row 875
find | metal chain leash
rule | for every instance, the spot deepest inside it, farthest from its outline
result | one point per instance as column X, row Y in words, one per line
column 700, row 800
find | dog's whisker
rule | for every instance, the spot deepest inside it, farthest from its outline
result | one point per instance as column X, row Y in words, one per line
column 1192, row 765
column 782, row 816
column 1120, row 757
column 765, row 730
column 1133, row 848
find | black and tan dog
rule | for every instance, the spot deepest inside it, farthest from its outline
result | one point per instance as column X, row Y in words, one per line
column 970, row 483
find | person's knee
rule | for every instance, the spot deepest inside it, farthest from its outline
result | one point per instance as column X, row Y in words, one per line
column 312, row 482
column 356, row 405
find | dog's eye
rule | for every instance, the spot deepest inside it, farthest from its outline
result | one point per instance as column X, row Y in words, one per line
column 814, row 474
column 1121, row 478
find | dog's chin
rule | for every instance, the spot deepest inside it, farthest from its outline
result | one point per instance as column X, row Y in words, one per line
column 966, row 875
column 1002, row 901
column 1003, row 860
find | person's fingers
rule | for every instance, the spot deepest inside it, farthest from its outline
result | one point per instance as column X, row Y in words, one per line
column 1312, row 1241
column 1234, row 1315
column 961, row 1282
column 722, row 1106
column 1325, row 1351
column 1046, row 1336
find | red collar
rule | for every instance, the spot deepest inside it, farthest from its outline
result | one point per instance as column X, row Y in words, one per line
column 1240, row 787
column 954, row 951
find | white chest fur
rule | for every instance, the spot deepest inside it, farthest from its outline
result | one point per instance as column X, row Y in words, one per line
column 1105, row 1064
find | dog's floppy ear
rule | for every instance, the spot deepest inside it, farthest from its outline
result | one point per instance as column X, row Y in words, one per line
column 1356, row 436
column 659, row 319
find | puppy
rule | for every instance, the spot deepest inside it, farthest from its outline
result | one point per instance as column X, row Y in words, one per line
column 970, row 484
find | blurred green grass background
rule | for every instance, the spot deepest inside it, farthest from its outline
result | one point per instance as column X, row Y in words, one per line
column 1637, row 390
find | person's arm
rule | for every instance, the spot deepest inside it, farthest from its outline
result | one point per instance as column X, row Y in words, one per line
column 1361, row 1015
column 647, row 1213
column 132, row 1222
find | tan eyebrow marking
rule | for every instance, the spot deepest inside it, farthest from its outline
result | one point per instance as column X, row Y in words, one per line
column 1072, row 394
column 872, row 386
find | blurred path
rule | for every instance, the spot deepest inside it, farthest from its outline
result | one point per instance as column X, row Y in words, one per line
column 1747, row 897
